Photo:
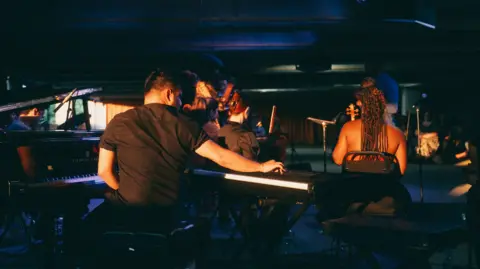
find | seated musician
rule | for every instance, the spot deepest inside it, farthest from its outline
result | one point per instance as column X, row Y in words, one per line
column 237, row 133
column 239, row 137
column 389, row 108
column 258, row 127
column 371, row 133
column 212, row 127
column 205, row 112
column 22, row 165
column 151, row 144
column 25, row 120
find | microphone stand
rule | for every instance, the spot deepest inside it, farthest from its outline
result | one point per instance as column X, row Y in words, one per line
column 324, row 124
column 324, row 128
column 420, row 162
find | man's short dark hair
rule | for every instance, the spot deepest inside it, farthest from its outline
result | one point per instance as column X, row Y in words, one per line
column 188, row 81
column 161, row 80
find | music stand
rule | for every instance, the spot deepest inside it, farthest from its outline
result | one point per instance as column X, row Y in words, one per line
column 324, row 124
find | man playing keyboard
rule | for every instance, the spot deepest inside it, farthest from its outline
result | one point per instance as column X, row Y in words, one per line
column 151, row 145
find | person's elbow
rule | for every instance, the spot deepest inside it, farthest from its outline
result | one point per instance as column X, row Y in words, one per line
column 104, row 172
column 337, row 157
column 403, row 169
column 337, row 160
column 402, row 165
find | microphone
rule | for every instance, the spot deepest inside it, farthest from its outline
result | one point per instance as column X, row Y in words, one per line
column 420, row 101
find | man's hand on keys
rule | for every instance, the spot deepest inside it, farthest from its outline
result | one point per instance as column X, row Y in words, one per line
column 274, row 166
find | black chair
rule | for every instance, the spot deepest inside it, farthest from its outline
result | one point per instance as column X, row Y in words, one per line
column 371, row 163
column 374, row 177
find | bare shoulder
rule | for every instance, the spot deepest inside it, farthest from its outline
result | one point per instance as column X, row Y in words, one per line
column 352, row 125
column 395, row 131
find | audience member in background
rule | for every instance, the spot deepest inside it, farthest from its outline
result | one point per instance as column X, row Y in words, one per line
column 454, row 146
column 473, row 201
column 471, row 188
column 428, row 137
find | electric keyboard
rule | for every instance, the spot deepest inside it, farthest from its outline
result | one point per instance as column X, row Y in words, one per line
column 256, row 180
column 290, row 185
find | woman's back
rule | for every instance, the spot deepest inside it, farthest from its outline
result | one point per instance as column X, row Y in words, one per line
column 354, row 139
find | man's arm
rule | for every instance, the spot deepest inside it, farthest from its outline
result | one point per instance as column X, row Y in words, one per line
column 233, row 161
column 341, row 147
column 106, row 164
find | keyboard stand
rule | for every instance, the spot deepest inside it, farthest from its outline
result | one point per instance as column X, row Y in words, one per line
column 271, row 245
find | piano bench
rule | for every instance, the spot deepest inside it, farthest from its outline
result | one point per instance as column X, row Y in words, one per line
column 406, row 240
column 126, row 249
column 177, row 249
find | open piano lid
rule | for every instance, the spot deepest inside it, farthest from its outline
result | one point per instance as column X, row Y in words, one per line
column 30, row 99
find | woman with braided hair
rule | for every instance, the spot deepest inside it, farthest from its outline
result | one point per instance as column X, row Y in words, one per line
column 371, row 132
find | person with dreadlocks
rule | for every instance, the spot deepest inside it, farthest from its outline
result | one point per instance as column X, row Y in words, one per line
column 371, row 132
column 390, row 109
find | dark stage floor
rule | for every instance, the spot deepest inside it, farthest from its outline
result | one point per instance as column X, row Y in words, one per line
column 305, row 244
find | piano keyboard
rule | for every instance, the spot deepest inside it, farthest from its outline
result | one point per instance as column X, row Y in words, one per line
column 255, row 180
column 90, row 178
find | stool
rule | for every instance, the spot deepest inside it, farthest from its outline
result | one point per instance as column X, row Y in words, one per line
column 124, row 249
column 119, row 249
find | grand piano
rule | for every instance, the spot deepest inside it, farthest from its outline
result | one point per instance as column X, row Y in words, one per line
column 65, row 164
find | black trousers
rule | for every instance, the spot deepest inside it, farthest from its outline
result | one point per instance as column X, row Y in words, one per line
column 473, row 215
column 113, row 215
column 182, row 244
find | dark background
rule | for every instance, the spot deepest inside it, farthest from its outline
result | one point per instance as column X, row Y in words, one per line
column 115, row 44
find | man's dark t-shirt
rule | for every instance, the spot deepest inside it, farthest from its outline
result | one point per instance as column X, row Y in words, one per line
column 152, row 145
